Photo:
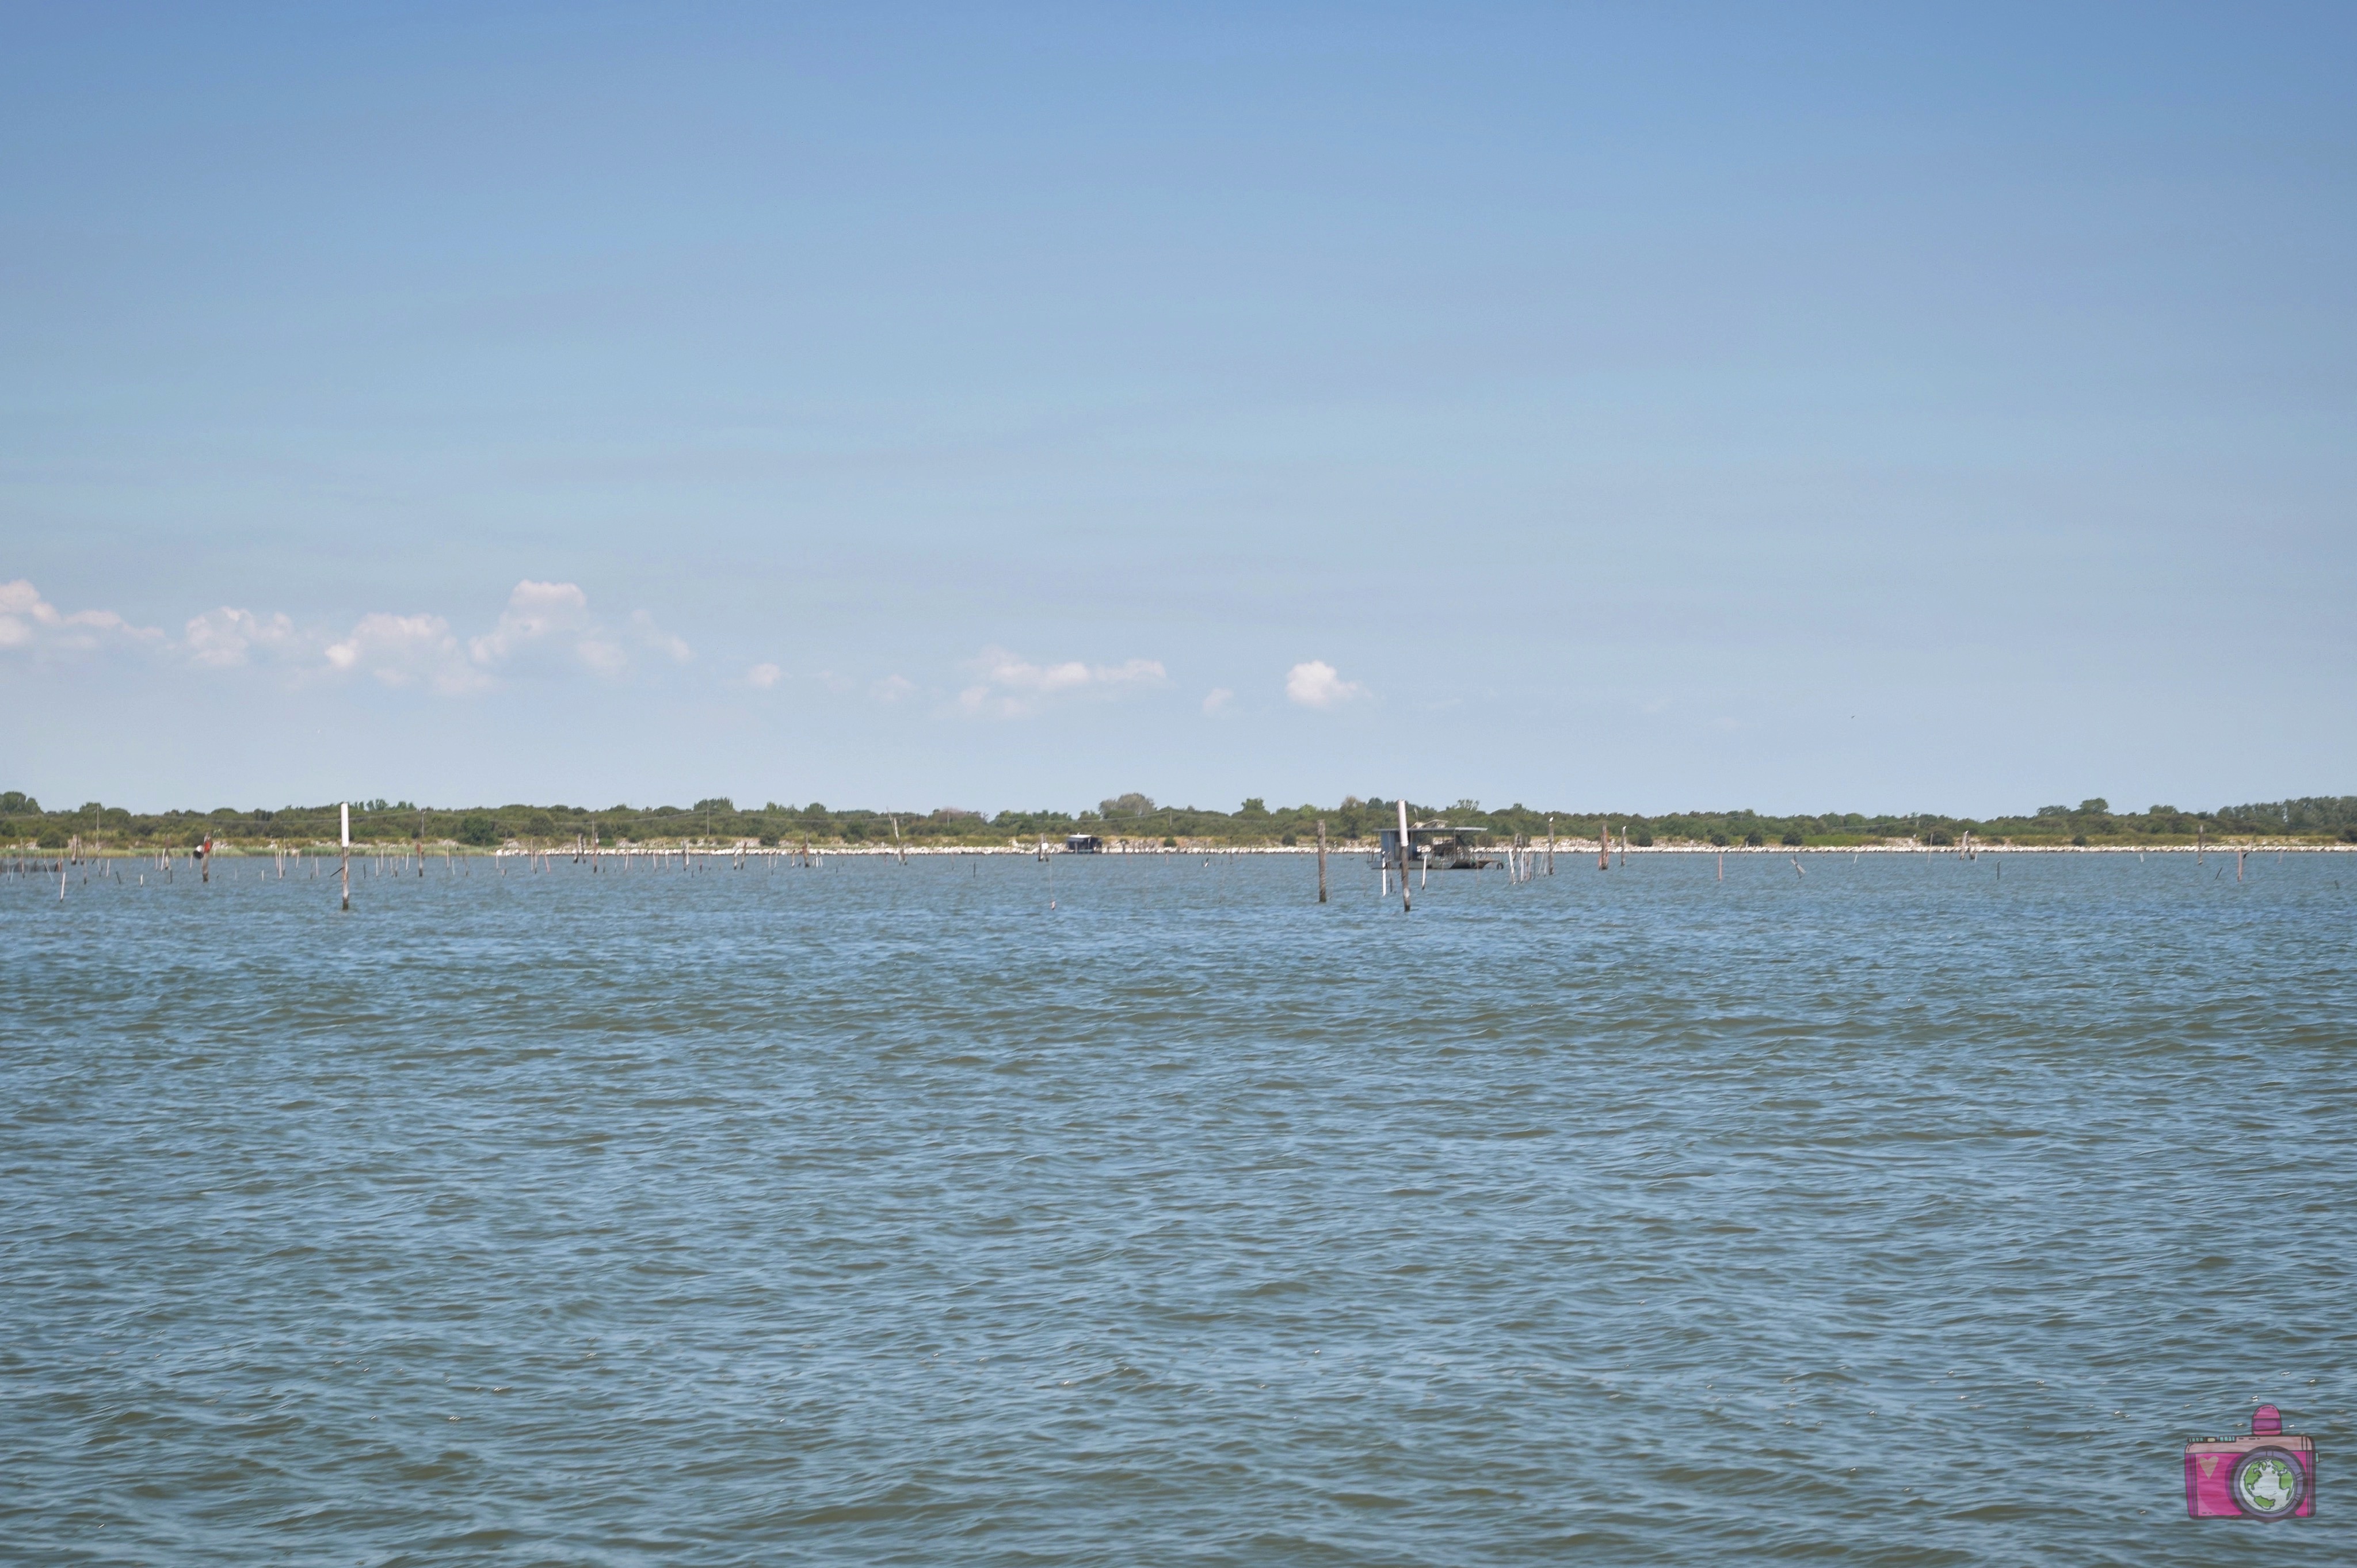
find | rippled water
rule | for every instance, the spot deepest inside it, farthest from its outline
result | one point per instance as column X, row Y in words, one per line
column 1909, row 1210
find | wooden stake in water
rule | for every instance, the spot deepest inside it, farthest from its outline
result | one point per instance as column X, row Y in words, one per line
column 1604, row 846
column 347, row 812
column 1550, row 863
column 209, row 858
column 1405, row 902
column 420, row 855
column 1321, row 860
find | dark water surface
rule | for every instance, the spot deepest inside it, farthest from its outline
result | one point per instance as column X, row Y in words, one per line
column 1895, row 1213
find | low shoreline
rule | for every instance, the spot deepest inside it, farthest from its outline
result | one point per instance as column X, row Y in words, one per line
column 1568, row 848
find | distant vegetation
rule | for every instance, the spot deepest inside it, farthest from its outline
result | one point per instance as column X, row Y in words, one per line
column 1138, row 818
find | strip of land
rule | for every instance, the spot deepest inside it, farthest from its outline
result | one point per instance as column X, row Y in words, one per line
column 1135, row 824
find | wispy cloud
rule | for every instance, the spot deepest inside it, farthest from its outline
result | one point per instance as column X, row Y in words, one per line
column 887, row 691
column 1009, row 686
column 1217, row 702
column 1317, row 685
column 538, row 615
column 407, row 650
column 547, row 627
column 547, row 630
column 650, row 635
column 226, row 637
column 30, row 623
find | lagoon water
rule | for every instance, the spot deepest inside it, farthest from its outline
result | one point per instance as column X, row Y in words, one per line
column 1910, row 1211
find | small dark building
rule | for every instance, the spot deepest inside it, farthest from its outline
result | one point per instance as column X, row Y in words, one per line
column 1438, row 846
column 1082, row 844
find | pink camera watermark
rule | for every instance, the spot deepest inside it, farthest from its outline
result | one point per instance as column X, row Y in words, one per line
column 2271, row 1474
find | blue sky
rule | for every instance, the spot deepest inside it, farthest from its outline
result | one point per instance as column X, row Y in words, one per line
column 1804, row 408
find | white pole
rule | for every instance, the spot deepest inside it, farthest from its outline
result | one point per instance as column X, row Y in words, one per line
column 345, row 810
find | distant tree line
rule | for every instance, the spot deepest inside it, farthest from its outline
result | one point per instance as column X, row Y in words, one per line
column 1137, row 818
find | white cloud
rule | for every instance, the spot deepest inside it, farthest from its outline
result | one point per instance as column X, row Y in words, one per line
column 546, row 627
column 764, row 676
column 404, row 651
column 29, row 623
column 1012, row 687
column 228, row 637
column 543, row 618
column 893, row 689
column 1317, row 685
column 1216, row 702
column 549, row 625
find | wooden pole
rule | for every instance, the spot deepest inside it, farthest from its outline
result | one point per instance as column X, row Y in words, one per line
column 1321, row 860
column 1550, row 845
column 1604, row 846
column 209, row 858
column 420, row 855
column 346, row 812
column 1405, row 902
